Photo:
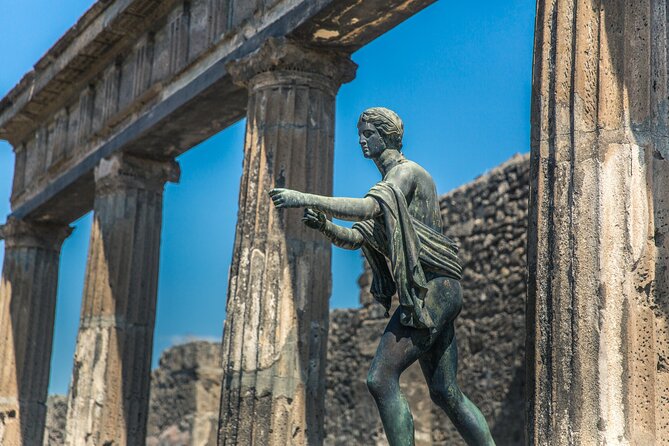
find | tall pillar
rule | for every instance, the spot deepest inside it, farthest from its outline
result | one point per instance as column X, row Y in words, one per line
column 598, row 245
column 27, row 308
column 275, row 336
column 108, row 399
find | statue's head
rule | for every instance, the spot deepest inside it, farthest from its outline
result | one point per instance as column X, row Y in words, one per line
column 379, row 129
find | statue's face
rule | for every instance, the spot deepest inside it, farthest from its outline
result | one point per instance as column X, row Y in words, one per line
column 370, row 140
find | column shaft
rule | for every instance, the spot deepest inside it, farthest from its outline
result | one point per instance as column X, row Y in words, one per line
column 108, row 400
column 27, row 308
column 598, row 311
column 275, row 336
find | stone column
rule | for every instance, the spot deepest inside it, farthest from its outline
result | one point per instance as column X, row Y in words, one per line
column 27, row 308
column 108, row 398
column 275, row 336
column 598, row 245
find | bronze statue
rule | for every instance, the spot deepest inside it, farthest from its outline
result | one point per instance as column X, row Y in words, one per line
column 399, row 220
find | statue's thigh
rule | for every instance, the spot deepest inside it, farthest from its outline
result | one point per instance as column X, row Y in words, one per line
column 440, row 364
column 443, row 300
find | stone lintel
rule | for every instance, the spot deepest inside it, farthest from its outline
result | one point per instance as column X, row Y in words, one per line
column 352, row 24
column 123, row 171
column 181, row 101
column 280, row 60
column 27, row 234
column 75, row 60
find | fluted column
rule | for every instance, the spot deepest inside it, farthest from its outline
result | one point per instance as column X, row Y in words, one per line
column 277, row 311
column 27, row 308
column 108, row 399
column 598, row 244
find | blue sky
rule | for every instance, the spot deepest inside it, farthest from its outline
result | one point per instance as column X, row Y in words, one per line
column 458, row 73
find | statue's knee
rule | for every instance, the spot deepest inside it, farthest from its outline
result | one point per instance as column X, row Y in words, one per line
column 377, row 382
column 373, row 382
column 447, row 396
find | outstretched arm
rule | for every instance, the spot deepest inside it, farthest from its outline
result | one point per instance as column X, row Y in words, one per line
column 339, row 236
column 352, row 209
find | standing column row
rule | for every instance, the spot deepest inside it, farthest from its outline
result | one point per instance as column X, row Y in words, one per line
column 598, row 243
column 27, row 308
column 108, row 399
column 275, row 335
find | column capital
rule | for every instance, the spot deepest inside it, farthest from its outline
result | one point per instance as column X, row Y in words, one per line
column 282, row 61
column 29, row 234
column 124, row 171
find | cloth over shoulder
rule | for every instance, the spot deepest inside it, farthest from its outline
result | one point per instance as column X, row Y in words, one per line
column 410, row 245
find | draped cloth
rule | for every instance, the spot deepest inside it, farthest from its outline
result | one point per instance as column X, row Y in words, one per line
column 410, row 246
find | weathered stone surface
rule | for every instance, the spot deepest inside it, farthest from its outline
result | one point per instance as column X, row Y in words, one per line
column 185, row 396
column 488, row 218
column 277, row 310
column 108, row 400
column 56, row 417
column 597, row 248
column 27, row 309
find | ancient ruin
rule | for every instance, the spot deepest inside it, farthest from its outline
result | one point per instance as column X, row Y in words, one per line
column 489, row 218
column 97, row 124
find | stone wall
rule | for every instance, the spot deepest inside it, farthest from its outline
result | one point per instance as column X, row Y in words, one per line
column 54, row 433
column 488, row 218
column 185, row 395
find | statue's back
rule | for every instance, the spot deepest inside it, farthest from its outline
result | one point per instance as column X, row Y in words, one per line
column 423, row 203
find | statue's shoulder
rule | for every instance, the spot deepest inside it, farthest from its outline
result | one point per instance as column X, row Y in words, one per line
column 404, row 172
column 408, row 172
column 418, row 172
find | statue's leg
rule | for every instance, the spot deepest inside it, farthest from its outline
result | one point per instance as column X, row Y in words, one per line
column 399, row 347
column 440, row 367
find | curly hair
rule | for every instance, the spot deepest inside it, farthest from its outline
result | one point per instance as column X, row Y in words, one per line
column 387, row 123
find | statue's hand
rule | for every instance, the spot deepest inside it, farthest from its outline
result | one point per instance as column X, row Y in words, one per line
column 287, row 198
column 314, row 219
